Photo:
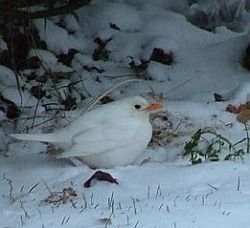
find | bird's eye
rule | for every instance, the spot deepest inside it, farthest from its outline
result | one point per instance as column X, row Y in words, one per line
column 137, row 106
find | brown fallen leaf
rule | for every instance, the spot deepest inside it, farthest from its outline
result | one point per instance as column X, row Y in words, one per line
column 9, row 108
column 218, row 97
column 101, row 176
column 237, row 109
column 159, row 55
column 244, row 116
column 64, row 196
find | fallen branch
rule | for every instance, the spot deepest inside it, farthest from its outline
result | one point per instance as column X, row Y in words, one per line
column 23, row 15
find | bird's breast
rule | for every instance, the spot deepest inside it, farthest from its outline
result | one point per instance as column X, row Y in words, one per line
column 143, row 133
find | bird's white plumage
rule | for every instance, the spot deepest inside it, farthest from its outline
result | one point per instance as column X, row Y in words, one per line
column 111, row 135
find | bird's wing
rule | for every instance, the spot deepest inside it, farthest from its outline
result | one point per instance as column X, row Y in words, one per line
column 101, row 138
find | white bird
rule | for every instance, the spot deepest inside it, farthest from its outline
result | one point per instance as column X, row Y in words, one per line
column 114, row 134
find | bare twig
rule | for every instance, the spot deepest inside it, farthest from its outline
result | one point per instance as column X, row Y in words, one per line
column 25, row 15
column 11, row 188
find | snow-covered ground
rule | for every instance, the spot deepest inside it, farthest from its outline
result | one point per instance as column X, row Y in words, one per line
column 162, row 189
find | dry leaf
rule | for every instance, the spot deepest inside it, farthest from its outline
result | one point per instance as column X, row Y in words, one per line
column 244, row 116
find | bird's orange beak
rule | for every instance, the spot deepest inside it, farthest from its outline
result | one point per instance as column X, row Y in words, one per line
column 154, row 107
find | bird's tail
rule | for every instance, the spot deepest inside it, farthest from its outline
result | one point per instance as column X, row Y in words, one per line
column 37, row 137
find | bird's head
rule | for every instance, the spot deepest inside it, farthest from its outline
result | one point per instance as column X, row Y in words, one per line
column 141, row 106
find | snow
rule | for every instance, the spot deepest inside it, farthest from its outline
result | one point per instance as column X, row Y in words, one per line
column 162, row 189
column 49, row 60
column 65, row 41
column 3, row 45
column 20, row 98
column 8, row 77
